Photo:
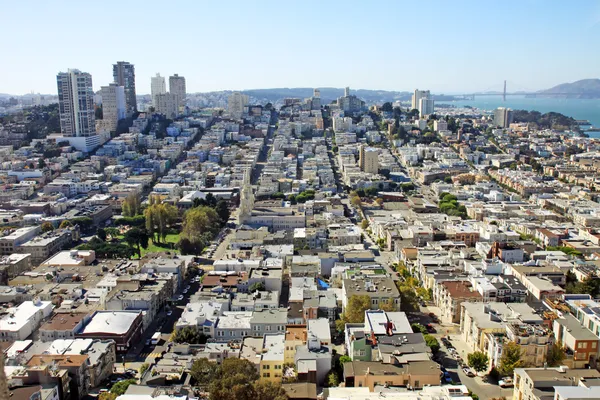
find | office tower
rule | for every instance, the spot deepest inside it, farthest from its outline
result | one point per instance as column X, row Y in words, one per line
column 418, row 95
column 236, row 103
column 426, row 106
column 167, row 104
column 346, row 91
column 503, row 117
column 177, row 87
column 76, row 103
column 369, row 159
column 157, row 86
column 114, row 101
column 124, row 75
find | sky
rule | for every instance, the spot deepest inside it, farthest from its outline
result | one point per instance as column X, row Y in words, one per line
column 446, row 46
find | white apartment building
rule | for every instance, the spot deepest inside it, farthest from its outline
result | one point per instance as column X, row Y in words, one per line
column 157, row 86
column 76, row 103
column 417, row 96
column 21, row 321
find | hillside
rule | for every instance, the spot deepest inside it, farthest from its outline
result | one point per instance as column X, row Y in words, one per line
column 329, row 94
column 583, row 89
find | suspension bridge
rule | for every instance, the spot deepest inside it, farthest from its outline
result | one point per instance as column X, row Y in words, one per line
column 504, row 93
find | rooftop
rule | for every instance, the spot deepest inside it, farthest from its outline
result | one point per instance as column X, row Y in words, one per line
column 63, row 322
column 111, row 322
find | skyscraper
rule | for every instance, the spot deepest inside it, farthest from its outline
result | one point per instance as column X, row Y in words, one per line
column 418, row 95
column 503, row 117
column 157, row 86
column 124, row 75
column 76, row 103
column 177, row 87
column 113, row 106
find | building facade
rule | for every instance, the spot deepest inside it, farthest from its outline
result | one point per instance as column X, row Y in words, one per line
column 124, row 75
column 76, row 103
column 157, row 86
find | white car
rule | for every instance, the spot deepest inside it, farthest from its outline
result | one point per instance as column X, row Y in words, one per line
column 179, row 298
column 506, row 382
column 169, row 313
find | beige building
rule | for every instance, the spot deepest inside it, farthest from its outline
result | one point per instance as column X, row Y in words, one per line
column 272, row 357
column 295, row 335
column 113, row 107
column 236, row 103
column 167, row 104
column 369, row 159
column 542, row 383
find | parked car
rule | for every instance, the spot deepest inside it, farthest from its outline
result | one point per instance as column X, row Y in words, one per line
column 506, row 382
column 430, row 328
column 169, row 313
column 468, row 372
column 179, row 298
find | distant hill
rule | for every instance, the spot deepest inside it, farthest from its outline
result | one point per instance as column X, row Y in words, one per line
column 329, row 94
column 583, row 89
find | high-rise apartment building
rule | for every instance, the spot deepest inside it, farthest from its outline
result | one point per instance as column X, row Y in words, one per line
column 157, row 86
column 177, row 87
column 236, row 103
column 369, row 159
column 349, row 103
column 426, row 106
column 124, row 75
column 76, row 103
column 418, row 95
column 167, row 104
column 113, row 106
column 503, row 117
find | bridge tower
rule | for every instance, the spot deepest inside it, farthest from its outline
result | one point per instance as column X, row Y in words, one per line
column 504, row 93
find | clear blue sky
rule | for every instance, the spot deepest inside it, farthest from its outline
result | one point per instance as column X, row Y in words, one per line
column 445, row 46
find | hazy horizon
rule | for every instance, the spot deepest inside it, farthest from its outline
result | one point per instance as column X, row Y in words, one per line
column 463, row 46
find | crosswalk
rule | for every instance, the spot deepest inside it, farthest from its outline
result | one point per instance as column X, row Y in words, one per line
column 153, row 355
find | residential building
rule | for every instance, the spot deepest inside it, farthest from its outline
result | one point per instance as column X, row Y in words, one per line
column 124, row 327
column 272, row 357
column 581, row 345
column 20, row 322
column 166, row 104
column 426, row 106
column 76, row 103
column 177, row 87
column 113, row 106
column 62, row 326
column 236, row 103
column 452, row 295
column 381, row 290
column 369, row 159
column 157, row 86
column 503, row 117
column 124, row 75
column 543, row 383
column 368, row 374
column 13, row 265
column 417, row 96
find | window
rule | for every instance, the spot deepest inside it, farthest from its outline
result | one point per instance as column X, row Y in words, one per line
column 594, row 345
column 266, row 375
column 266, row 366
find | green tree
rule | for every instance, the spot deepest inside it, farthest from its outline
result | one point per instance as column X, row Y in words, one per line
column 107, row 396
column 556, row 355
column 364, row 224
column 344, row 359
column 159, row 219
column 41, row 163
column 47, row 226
column 387, row 107
column 356, row 307
column 478, row 361
column 222, row 210
column 120, row 388
column 256, row 287
column 101, row 233
column 204, row 371
column 418, row 328
column 199, row 220
column 432, row 342
column 332, row 379
column 138, row 238
column 65, row 224
column 112, row 232
column 511, row 359
column 132, row 205
column 189, row 335
column 268, row 391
